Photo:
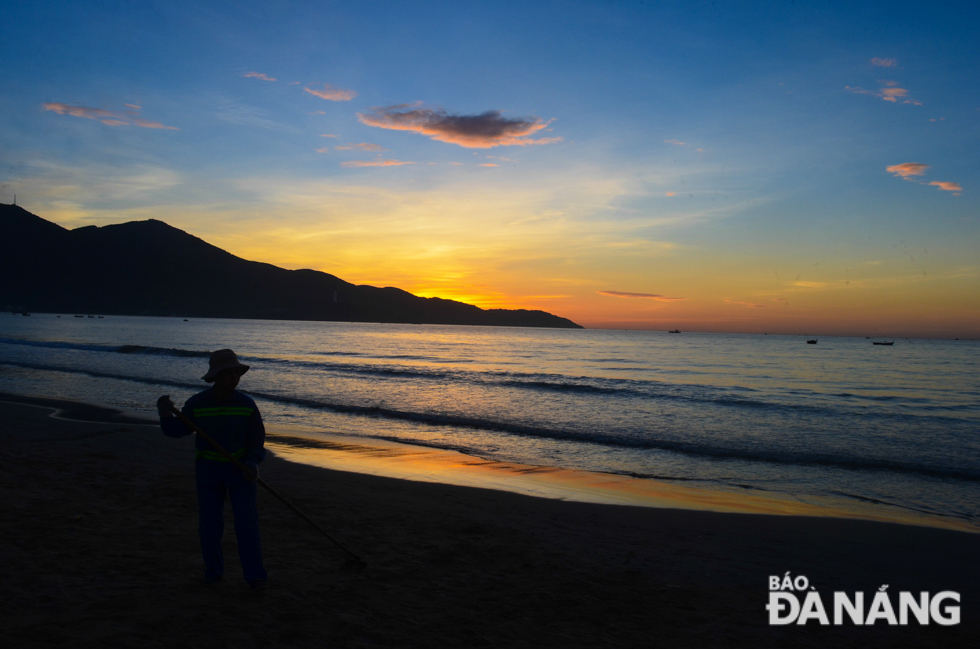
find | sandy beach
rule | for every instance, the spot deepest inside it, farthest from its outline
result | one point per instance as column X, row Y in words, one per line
column 100, row 547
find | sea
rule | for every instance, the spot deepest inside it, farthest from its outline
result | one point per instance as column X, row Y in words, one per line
column 891, row 428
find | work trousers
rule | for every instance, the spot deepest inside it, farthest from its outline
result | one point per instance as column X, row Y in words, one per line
column 214, row 479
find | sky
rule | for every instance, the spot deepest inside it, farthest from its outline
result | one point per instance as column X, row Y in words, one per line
column 807, row 168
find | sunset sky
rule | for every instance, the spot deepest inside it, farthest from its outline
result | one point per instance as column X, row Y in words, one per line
column 715, row 166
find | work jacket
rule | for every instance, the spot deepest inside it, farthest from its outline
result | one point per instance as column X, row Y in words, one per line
column 235, row 424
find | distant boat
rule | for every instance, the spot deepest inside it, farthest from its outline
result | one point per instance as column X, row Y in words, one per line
column 891, row 342
column 91, row 316
column 79, row 316
column 675, row 331
column 25, row 313
column 812, row 342
column 101, row 316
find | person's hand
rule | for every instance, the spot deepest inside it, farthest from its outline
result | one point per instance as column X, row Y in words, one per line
column 164, row 404
column 251, row 472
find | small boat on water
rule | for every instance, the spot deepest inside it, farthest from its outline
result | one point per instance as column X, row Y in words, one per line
column 675, row 331
column 812, row 342
column 891, row 342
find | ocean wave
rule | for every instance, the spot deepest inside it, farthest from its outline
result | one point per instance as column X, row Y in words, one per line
column 119, row 349
column 102, row 375
column 703, row 450
column 792, row 401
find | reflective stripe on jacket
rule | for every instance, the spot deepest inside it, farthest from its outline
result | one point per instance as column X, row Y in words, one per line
column 235, row 424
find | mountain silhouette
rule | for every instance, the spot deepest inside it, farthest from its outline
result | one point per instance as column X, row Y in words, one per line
column 151, row 268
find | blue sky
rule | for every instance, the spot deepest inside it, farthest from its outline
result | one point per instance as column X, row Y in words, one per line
column 732, row 157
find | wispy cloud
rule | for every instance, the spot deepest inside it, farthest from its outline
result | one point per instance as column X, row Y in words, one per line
column 332, row 94
column 677, row 142
column 360, row 146
column 648, row 296
column 258, row 75
column 482, row 131
column 779, row 299
column 883, row 63
column 671, row 194
column 947, row 186
column 107, row 117
column 327, row 135
column 751, row 305
column 889, row 91
column 375, row 163
column 489, row 164
column 907, row 169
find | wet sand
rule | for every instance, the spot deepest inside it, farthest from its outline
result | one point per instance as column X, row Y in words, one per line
column 100, row 549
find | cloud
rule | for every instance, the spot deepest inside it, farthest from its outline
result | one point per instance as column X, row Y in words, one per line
column 375, row 163
column 327, row 135
column 889, row 91
column 109, row 118
column 489, row 164
column 332, row 94
column 483, row 131
column 497, row 157
column 317, row 112
column 649, row 296
column 751, row 305
column 325, row 149
column 907, row 169
column 677, row 142
column 883, row 63
column 779, row 299
column 361, row 146
column 258, row 75
column 671, row 193
column 133, row 106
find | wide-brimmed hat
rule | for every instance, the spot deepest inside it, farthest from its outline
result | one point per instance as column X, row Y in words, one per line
column 221, row 360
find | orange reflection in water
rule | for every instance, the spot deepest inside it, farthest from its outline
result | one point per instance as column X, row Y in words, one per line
column 407, row 462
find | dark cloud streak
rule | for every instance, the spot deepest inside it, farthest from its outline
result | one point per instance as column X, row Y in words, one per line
column 482, row 131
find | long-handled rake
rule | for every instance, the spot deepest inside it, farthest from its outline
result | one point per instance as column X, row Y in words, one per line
column 354, row 563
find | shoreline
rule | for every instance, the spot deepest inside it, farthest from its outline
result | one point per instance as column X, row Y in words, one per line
column 398, row 460
column 100, row 529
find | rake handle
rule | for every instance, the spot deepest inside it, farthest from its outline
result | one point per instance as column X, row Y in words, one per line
column 246, row 470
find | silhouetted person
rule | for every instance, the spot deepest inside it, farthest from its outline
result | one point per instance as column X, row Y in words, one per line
column 233, row 421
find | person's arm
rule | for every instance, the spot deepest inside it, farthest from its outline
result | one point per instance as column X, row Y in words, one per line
column 172, row 427
column 255, row 439
column 255, row 443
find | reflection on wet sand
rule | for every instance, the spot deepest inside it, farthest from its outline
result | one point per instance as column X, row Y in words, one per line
column 396, row 460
